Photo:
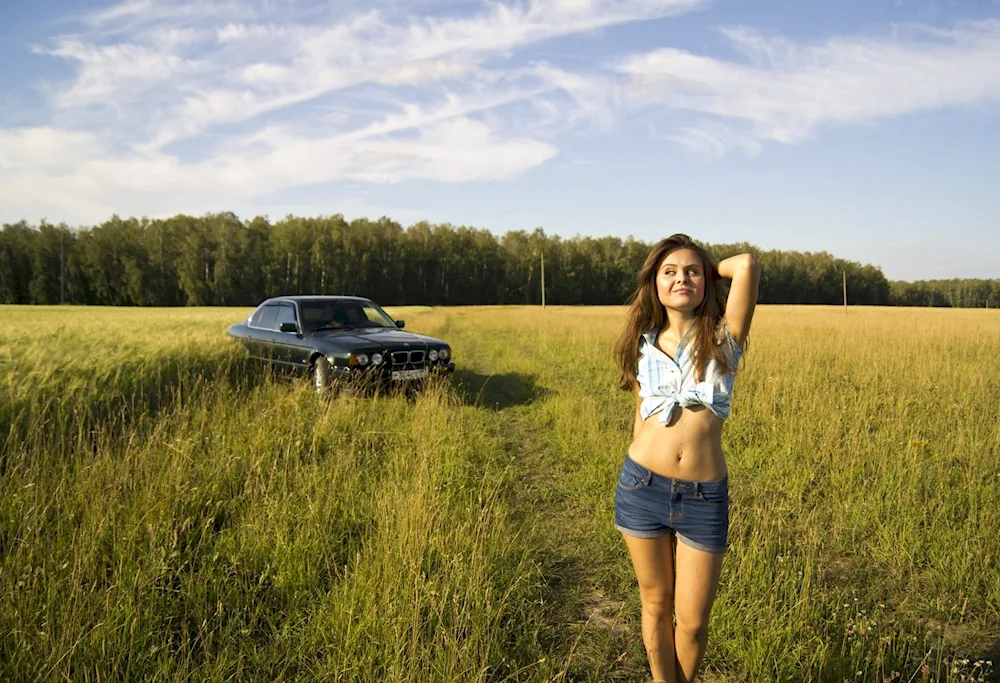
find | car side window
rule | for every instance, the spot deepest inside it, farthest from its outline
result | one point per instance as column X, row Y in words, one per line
column 268, row 317
column 255, row 319
column 286, row 314
column 374, row 316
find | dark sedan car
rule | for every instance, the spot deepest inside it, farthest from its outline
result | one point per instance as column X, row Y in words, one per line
column 340, row 338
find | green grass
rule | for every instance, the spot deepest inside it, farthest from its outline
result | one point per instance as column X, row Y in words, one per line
column 169, row 511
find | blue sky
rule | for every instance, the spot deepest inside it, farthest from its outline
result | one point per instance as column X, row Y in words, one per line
column 866, row 128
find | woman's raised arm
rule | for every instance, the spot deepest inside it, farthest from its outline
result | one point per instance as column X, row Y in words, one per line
column 744, row 270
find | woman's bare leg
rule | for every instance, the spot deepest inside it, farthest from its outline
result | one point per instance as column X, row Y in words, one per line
column 654, row 568
column 696, row 582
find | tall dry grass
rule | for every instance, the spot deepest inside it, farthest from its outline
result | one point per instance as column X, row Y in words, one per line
column 169, row 511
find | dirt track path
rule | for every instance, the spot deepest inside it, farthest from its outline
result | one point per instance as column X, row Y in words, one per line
column 587, row 630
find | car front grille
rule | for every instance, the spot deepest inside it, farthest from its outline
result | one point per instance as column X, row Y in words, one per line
column 407, row 357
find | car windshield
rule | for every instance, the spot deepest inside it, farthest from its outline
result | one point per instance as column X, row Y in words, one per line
column 341, row 315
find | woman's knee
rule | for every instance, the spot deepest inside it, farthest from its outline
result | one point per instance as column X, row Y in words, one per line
column 657, row 602
column 693, row 631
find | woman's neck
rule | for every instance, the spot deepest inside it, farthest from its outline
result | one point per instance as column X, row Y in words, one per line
column 680, row 322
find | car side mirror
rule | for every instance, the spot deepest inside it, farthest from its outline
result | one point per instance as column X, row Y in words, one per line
column 288, row 327
column 400, row 324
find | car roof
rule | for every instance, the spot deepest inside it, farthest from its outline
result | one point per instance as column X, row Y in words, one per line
column 316, row 297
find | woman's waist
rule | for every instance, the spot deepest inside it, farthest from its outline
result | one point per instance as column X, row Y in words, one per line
column 692, row 451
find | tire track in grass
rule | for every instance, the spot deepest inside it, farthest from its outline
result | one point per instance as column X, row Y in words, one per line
column 587, row 634
column 563, row 513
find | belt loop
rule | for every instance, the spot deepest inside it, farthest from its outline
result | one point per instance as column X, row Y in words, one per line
column 697, row 489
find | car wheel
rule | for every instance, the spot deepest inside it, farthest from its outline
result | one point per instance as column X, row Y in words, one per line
column 321, row 375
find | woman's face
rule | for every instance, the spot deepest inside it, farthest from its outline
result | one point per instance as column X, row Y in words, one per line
column 680, row 280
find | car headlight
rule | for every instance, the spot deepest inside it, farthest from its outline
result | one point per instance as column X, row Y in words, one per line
column 443, row 353
column 433, row 355
column 359, row 359
column 376, row 359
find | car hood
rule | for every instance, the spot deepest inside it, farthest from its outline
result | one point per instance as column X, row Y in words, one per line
column 372, row 336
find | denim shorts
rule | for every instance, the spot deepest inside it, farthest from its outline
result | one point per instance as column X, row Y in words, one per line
column 649, row 505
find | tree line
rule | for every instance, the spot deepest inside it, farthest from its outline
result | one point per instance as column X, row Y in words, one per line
column 220, row 260
column 956, row 293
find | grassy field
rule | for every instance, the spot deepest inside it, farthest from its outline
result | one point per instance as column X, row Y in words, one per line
column 169, row 511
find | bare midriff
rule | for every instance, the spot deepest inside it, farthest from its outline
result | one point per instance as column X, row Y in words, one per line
column 688, row 448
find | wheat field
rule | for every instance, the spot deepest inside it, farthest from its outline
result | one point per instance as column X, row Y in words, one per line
column 170, row 511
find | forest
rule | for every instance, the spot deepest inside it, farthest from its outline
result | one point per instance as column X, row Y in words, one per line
column 221, row 260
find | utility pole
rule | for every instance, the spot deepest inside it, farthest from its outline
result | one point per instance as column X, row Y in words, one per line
column 543, row 280
column 845, row 292
column 62, row 267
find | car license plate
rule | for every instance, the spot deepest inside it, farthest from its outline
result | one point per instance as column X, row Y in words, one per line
column 419, row 373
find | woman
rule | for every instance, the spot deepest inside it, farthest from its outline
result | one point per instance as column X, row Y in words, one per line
column 679, row 352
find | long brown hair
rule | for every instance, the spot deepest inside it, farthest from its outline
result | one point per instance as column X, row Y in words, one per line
column 646, row 312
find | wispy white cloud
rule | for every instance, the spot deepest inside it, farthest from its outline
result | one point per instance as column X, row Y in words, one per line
column 119, row 74
column 251, row 68
column 122, row 11
column 428, row 71
column 135, row 16
column 275, row 94
column 45, row 167
column 596, row 96
column 711, row 139
column 391, row 97
column 789, row 90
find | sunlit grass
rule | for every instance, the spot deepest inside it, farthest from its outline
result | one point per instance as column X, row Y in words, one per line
column 167, row 510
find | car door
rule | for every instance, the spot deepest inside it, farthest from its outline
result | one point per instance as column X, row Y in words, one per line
column 249, row 340
column 289, row 346
column 262, row 332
